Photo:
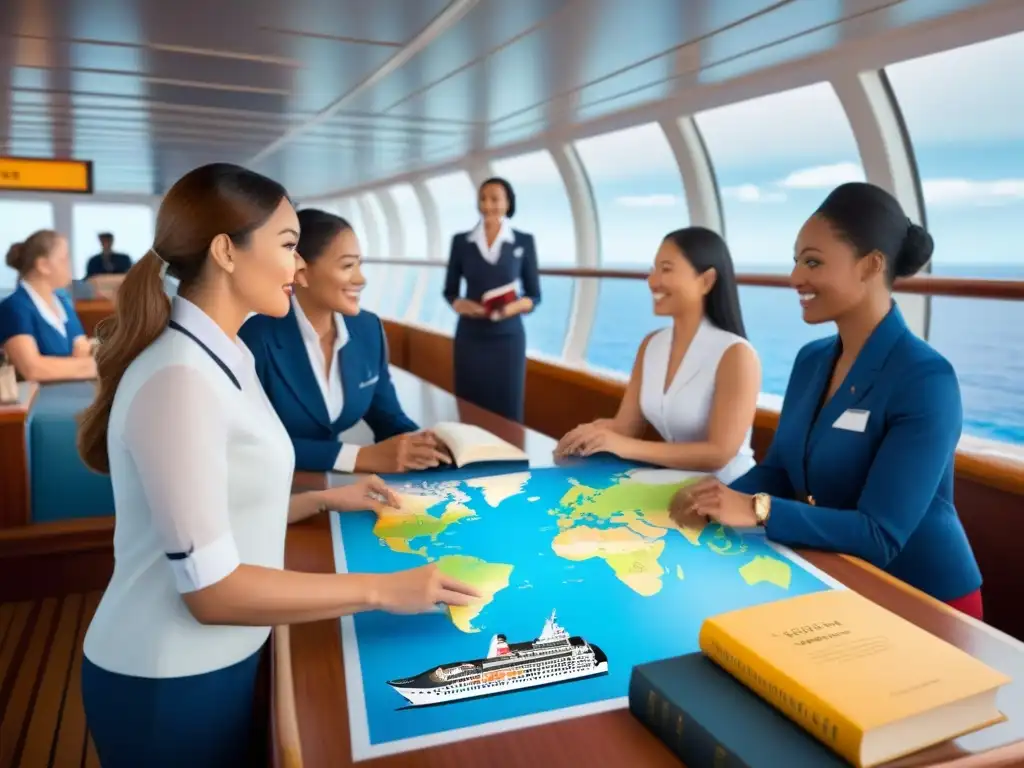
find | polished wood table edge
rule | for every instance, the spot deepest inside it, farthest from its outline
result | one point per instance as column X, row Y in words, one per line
column 286, row 744
column 19, row 411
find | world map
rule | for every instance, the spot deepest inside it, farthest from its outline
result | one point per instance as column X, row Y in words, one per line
column 623, row 524
column 592, row 541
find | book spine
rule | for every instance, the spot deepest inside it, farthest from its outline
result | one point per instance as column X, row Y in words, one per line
column 692, row 743
column 802, row 706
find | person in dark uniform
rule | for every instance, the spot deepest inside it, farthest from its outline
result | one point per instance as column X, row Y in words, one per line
column 490, row 342
column 107, row 261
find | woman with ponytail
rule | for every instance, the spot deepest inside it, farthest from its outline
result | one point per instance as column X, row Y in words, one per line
column 201, row 468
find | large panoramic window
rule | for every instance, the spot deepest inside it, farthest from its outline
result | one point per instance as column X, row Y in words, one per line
column 971, row 163
column 403, row 280
column 543, row 209
column 639, row 197
column 18, row 220
column 804, row 149
column 455, row 200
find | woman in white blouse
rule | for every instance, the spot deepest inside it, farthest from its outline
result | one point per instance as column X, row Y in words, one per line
column 202, row 470
column 696, row 382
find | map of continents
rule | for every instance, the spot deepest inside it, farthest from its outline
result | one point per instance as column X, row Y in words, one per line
column 624, row 524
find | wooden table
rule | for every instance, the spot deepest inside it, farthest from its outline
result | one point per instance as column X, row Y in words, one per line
column 613, row 738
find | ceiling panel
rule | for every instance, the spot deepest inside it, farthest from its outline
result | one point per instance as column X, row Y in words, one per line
column 149, row 89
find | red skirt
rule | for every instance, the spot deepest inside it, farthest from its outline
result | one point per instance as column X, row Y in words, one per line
column 969, row 604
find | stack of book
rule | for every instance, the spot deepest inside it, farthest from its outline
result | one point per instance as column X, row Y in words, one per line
column 867, row 685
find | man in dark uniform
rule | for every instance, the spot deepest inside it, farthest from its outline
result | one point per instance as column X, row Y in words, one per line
column 107, row 262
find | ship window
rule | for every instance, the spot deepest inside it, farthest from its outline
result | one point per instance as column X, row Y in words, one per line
column 805, row 148
column 970, row 157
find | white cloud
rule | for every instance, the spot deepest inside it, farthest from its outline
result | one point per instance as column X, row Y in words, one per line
column 648, row 201
column 965, row 192
column 751, row 193
column 823, row 176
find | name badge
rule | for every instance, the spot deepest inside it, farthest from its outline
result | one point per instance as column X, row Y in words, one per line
column 368, row 382
column 518, row 252
column 853, row 420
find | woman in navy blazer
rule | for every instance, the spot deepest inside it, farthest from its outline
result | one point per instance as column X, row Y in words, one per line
column 490, row 348
column 862, row 460
column 324, row 366
column 39, row 330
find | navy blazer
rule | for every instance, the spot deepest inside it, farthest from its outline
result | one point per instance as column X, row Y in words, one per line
column 288, row 379
column 20, row 316
column 517, row 261
column 882, row 487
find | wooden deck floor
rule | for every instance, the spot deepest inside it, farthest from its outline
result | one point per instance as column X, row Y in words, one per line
column 42, row 723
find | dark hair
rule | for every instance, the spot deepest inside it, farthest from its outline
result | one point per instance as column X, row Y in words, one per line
column 204, row 203
column 105, row 236
column 870, row 219
column 705, row 249
column 22, row 257
column 317, row 230
column 509, row 193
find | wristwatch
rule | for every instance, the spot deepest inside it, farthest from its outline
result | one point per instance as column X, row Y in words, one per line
column 762, row 507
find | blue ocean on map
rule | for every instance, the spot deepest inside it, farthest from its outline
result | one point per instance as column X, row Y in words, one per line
column 590, row 601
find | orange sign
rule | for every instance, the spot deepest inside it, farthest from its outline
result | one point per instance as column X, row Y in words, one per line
column 44, row 175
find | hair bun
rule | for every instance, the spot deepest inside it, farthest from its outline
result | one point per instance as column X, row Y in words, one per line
column 14, row 256
column 915, row 252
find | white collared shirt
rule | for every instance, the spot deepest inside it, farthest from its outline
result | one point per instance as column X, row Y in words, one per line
column 201, row 468
column 57, row 317
column 492, row 252
column 330, row 384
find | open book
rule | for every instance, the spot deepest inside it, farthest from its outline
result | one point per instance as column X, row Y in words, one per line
column 469, row 444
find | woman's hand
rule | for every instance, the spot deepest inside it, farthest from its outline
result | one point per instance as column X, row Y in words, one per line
column 469, row 308
column 402, row 453
column 366, row 493
column 588, row 439
column 710, row 499
column 421, row 590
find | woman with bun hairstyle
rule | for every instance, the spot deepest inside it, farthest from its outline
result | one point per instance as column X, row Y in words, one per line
column 862, row 460
column 202, row 470
column 39, row 330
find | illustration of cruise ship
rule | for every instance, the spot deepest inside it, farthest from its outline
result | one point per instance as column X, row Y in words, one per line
column 554, row 657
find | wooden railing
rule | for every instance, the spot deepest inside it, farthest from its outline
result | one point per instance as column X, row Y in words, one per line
column 966, row 288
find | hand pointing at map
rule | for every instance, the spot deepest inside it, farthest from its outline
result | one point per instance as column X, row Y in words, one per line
column 420, row 590
column 712, row 500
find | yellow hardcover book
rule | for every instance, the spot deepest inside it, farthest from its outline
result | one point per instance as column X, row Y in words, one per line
column 870, row 685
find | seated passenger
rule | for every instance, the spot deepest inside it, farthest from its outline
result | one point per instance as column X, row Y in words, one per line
column 324, row 366
column 696, row 382
column 862, row 460
column 39, row 329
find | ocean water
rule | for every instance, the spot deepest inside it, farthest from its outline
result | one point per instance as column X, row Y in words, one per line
column 589, row 599
column 982, row 338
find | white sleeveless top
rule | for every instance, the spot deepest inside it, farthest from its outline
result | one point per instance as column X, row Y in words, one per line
column 681, row 413
column 201, row 468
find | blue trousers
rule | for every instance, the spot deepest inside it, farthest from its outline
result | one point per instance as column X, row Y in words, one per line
column 198, row 721
column 490, row 369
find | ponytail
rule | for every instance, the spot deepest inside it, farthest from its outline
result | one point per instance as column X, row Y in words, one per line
column 142, row 313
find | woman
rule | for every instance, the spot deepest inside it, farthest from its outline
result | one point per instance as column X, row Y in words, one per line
column 324, row 365
column 862, row 460
column 201, row 469
column 39, row 330
column 696, row 382
column 490, row 343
